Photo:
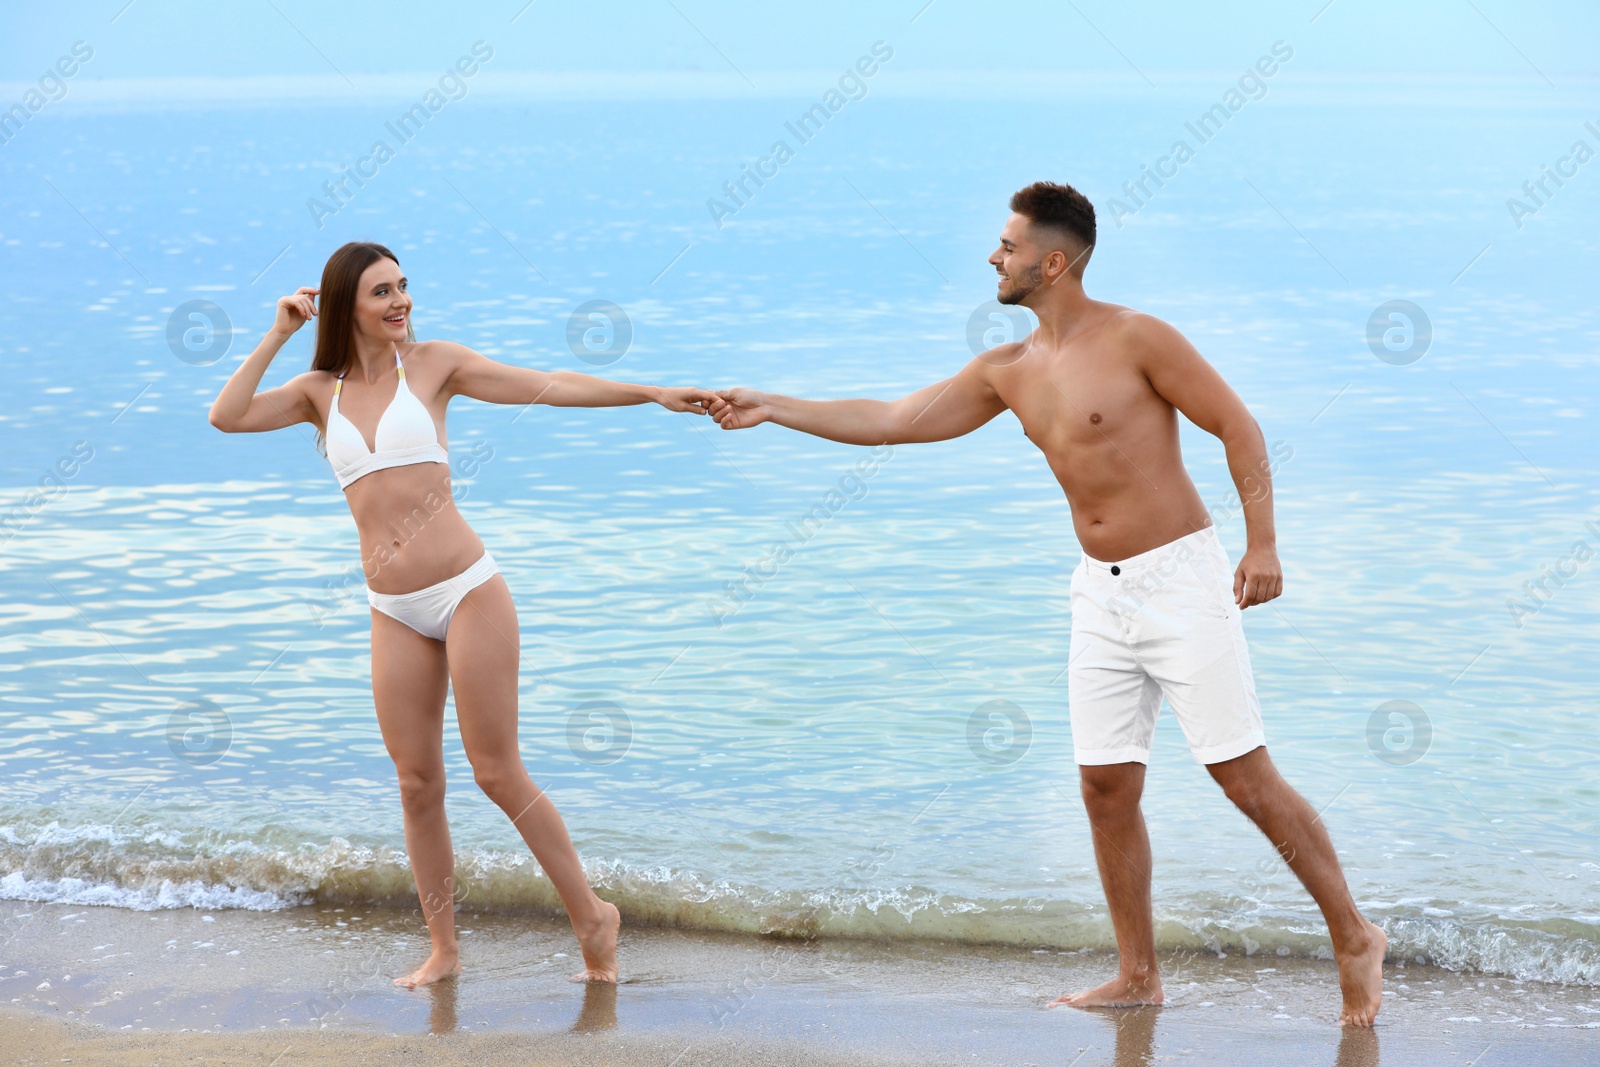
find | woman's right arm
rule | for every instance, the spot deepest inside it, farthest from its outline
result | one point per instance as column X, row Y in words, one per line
column 239, row 408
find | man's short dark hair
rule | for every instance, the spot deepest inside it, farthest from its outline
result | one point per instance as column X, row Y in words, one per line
column 1060, row 207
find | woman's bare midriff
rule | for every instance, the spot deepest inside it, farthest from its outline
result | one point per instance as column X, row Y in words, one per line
column 412, row 536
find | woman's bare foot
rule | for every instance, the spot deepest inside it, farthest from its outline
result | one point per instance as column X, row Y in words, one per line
column 1124, row 991
column 599, row 944
column 439, row 965
column 1361, row 979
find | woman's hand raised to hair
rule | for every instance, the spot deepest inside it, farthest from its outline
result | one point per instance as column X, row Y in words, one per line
column 295, row 310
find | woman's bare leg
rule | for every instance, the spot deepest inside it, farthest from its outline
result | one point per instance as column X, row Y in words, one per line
column 409, row 681
column 484, row 651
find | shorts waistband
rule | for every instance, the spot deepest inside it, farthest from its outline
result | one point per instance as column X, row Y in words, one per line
column 1161, row 555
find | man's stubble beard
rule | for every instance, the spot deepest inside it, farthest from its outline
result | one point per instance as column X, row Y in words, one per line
column 1023, row 287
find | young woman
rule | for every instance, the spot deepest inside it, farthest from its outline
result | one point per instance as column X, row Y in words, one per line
column 440, row 609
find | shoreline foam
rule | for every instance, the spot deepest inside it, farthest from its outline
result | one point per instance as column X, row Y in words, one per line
column 150, row 872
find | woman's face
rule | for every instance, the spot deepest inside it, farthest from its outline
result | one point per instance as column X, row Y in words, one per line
column 383, row 307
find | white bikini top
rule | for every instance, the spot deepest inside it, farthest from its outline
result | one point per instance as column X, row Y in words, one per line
column 405, row 435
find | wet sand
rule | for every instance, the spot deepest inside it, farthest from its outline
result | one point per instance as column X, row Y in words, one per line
column 313, row 985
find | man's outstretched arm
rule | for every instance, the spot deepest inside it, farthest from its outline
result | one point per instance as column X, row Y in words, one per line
column 956, row 406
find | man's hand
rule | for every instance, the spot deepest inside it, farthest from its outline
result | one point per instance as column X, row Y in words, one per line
column 1258, row 579
column 739, row 409
column 686, row 398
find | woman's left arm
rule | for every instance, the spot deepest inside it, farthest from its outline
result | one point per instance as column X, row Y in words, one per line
column 481, row 378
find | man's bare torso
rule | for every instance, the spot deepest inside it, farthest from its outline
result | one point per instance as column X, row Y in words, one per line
column 1110, row 438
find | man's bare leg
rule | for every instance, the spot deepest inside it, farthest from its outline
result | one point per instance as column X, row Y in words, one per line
column 1254, row 785
column 1122, row 851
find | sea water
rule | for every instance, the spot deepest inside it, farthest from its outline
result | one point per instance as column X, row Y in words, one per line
column 777, row 684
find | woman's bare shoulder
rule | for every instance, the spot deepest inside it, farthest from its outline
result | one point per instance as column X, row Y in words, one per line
column 437, row 352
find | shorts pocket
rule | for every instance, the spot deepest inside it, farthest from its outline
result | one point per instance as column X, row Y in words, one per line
column 1211, row 586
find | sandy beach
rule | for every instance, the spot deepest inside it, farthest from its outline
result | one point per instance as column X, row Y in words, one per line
column 314, row 985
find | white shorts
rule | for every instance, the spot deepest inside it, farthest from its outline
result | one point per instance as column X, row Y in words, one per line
column 1161, row 622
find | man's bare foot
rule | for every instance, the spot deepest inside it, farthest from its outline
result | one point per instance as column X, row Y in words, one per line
column 1123, row 991
column 439, row 965
column 1361, row 979
column 599, row 945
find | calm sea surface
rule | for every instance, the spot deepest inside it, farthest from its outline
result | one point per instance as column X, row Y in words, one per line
column 876, row 741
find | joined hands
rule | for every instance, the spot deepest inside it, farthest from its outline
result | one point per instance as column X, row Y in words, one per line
column 686, row 398
column 739, row 409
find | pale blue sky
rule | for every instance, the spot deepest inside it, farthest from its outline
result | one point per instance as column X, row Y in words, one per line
column 741, row 39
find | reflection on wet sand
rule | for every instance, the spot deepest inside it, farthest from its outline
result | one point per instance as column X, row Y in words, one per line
column 1358, row 1047
column 442, row 1006
column 1134, row 1031
column 1134, row 1040
column 599, row 1011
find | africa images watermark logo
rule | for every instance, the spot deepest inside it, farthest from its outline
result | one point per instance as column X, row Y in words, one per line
column 50, row 86
column 1537, row 592
column 52, row 484
column 852, row 85
column 851, row 486
column 1537, row 192
column 452, row 85
column 1251, row 85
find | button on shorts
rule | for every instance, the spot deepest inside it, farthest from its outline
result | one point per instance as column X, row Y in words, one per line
column 1164, row 625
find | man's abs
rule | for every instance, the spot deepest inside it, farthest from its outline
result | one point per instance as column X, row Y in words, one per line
column 1110, row 534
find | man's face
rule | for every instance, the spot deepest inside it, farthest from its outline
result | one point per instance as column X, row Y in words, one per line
column 1018, row 261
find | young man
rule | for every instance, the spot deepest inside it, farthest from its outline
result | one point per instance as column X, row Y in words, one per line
column 1098, row 387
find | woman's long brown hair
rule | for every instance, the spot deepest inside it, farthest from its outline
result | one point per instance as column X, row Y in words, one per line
column 336, row 308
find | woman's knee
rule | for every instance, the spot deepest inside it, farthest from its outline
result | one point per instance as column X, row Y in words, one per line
column 421, row 787
column 498, row 776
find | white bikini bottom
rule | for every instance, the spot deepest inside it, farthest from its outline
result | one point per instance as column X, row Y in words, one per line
column 428, row 611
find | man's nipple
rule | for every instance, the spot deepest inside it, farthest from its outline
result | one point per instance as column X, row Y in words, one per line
column 1094, row 417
